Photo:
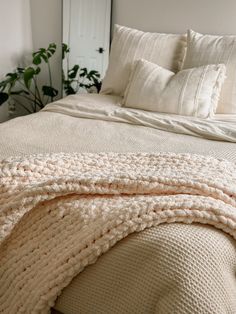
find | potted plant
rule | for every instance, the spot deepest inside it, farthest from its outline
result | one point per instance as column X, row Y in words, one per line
column 77, row 78
column 21, row 87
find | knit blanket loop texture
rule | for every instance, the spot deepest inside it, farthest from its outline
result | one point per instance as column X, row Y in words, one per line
column 60, row 212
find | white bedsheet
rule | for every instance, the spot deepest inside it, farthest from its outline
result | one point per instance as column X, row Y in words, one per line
column 108, row 108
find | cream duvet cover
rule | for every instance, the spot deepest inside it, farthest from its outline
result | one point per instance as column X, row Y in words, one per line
column 172, row 268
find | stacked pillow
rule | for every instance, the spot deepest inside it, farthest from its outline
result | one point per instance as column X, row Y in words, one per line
column 206, row 49
column 191, row 92
column 154, row 72
column 128, row 45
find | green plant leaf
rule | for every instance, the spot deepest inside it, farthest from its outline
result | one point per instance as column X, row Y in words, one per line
column 37, row 70
column 44, row 57
column 72, row 73
column 98, row 85
column 9, row 82
column 36, row 59
column 4, row 83
column 65, row 50
column 69, row 90
column 20, row 70
column 38, row 56
column 28, row 75
column 83, row 72
column 12, row 76
column 46, row 54
column 49, row 91
column 94, row 73
column 52, row 48
column 3, row 98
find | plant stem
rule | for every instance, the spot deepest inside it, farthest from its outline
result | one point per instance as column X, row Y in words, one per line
column 50, row 77
column 34, row 100
column 30, row 99
column 67, row 65
column 28, row 90
column 37, row 90
column 17, row 101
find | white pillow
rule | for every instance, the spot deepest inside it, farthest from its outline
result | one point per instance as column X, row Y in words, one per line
column 209, row 49
column 128, row 45
column 192, row 92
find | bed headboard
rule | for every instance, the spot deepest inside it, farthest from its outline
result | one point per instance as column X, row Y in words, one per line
column 176, row 16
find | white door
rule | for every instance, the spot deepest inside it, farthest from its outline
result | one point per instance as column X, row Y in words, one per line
column 87, row 32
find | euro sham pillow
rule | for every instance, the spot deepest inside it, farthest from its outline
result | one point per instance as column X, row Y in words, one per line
column 192, row 92
column 128, row 45
column 209, row 49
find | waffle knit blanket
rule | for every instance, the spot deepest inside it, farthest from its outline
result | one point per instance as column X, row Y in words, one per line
column 60, row 212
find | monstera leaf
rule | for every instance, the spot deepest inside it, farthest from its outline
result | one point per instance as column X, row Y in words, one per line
column 72, row 73
column 3, row 97
column 28, row 76
column 44, row 54
column 49, row 91
column 65, row 50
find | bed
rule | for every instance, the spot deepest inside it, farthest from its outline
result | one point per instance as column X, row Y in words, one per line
column 135, row 276
column 169, row 268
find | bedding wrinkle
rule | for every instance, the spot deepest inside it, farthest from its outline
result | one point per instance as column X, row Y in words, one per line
column 85, row 106
column 95, row 123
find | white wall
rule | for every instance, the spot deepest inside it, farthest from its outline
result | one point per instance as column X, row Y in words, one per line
column 209, row 16
column 15, row 38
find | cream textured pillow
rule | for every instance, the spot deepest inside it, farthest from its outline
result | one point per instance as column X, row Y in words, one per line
column 192, row 92
column 128, row 45
column 209, row 49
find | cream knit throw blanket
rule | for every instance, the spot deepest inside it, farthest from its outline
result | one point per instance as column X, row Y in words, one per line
column 60, row 212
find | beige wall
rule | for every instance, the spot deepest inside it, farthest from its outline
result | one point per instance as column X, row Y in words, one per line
column 210, row 16
column 15, row 38
column 46, row 16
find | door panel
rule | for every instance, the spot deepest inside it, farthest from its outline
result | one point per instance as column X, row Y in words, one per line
column 87, row 32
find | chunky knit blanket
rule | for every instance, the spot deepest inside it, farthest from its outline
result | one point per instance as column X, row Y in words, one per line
column 60, row 212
